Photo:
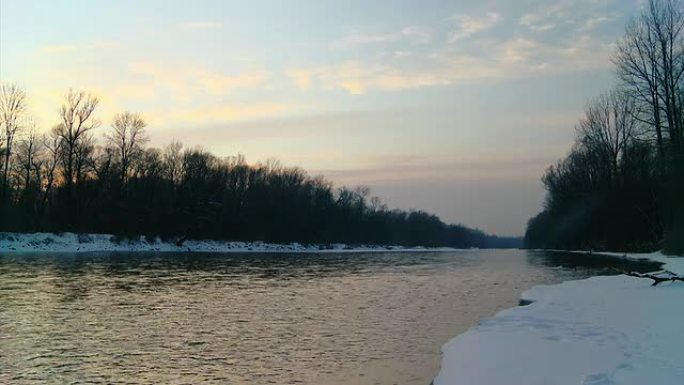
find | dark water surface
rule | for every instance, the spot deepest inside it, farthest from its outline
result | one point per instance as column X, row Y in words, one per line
column 144, row 318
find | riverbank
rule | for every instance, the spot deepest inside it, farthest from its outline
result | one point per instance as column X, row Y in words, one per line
column 73, row 243
column 601, row 330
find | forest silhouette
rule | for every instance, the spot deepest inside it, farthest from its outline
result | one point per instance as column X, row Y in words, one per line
column 622, row 184
column 66, row 180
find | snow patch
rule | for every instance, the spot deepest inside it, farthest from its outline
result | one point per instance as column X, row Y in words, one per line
column 601, row 330
column 71, row 242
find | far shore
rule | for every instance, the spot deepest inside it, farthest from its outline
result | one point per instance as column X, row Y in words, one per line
column 81, row 242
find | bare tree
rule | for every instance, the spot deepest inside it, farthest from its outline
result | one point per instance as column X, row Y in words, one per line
column 28, row 155
column 172, row 158
column 666, row 17
column 128, row 136
column 83, row 157
column 101, row 162
column 76, row 120
column 650, row 63
column 52, row 144
column 12, row 109
column 609, row 126
column 148, row 164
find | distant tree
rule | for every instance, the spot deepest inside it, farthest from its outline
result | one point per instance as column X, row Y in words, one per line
column 76, row 115
column 172, row 158
column 50, row 162
column 83, row 153
column 27, row 173
column 12, row 109
column 101, row 162
column 127, row 136
column 27, row 159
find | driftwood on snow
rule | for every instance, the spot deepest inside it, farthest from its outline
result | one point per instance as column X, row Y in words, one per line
column 657, row 278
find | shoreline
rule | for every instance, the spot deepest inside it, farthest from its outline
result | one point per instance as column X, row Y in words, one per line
column 613, row 329
column 85, row 243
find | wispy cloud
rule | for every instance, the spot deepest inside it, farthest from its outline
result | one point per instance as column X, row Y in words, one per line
column 413, row 34
column 531, row 22
column 201, row 25
column 510, row 58
column 301, row 77
column 579, row 15
column 395, row 168
column 218, row 113
column 357, row 78
column 467, row 26
column 100, row 45
column 541, row 19
column 590, row 23
column 59, row 48
column 518, row 50
column 417, row 34
column 136, row 92
column 218, row 83
column 190, row 81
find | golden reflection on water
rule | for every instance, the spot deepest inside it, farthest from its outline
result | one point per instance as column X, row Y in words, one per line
column 248, row 319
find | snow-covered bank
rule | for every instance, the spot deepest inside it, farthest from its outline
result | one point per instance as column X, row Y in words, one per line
column 602, row 330
column 70, row 242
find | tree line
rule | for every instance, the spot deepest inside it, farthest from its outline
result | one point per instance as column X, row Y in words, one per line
column 622, row 185
column 66, row 180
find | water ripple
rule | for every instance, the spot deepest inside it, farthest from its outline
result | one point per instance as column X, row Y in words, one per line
column 249, row 319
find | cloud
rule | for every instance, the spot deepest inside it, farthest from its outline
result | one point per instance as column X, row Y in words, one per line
column 212, row 114
column 467, row 26
column 59, row 48
column 185, row 82
column 218, row 83
column 201, row 25
column 545, row 17
column 518, row 50
column 511, row 58
column 357, row 78
column 357, row 38
column 593, row 22
column 400, row 167
column 417, row 34
column 540, row 27
column 412, row 34
column 301, row 77
column 160, row 90
column 483, row 53
column 579, row 15
column 133, row 91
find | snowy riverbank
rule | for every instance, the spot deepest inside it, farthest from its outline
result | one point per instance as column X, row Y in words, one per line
column 70, row 242
column 602, row 330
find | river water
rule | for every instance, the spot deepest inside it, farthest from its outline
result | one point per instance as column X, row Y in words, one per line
column 334, row 318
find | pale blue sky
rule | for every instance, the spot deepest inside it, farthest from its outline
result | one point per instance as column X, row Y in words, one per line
column 455, row 107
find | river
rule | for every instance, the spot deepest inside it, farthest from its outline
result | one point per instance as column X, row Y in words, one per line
column 191, row 318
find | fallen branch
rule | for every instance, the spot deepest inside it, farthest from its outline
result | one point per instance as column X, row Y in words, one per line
column 667, row 276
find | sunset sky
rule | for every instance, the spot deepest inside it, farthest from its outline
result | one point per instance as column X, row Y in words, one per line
column 455, row 107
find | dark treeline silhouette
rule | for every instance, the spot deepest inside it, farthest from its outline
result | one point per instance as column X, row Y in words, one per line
column 66, row 181
column 621, row 187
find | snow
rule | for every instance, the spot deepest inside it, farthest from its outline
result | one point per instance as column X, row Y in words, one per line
column 70, row 242
column 597, row 331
